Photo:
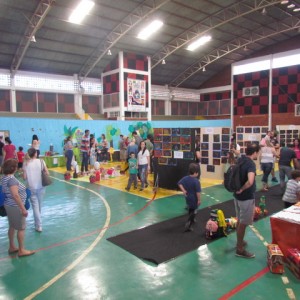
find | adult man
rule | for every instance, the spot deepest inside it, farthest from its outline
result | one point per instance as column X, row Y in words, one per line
column 149, row 146
column 287, row 155
column 85, row 151
column 244, row 199
column 137, row 138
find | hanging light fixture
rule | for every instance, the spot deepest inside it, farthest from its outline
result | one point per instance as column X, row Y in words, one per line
column 109, row 52
column 203, row 70
column 163, row 62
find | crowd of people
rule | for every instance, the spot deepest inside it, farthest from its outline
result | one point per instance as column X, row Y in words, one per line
column 268, row 152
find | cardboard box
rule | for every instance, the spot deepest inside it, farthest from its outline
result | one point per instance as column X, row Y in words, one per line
column 275, row 259
column 293, row 261
column 294, row 255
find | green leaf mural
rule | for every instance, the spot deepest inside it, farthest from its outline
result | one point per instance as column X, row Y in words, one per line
column 142, row 128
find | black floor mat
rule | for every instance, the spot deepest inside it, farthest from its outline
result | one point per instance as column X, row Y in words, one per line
column 166, row 240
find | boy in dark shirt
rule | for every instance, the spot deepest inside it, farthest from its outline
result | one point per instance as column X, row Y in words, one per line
column 191, row 188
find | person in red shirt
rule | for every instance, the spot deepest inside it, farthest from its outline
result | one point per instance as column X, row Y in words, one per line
column 9, row 150
column 20, row 155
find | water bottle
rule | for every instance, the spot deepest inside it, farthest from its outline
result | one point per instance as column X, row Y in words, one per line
column 262, row 204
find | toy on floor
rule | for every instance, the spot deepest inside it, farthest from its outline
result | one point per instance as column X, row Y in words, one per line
column 67, row 176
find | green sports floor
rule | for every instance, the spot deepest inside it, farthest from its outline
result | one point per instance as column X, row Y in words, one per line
column 75, row 261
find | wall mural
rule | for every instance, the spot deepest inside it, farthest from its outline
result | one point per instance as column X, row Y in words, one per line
column 53, row 132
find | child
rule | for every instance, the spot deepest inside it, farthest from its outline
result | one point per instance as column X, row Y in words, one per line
column 191, row 188
column 292, row 191
column 20, row 155
column 133, row 170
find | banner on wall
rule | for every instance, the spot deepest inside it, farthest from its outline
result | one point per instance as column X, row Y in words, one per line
column 136, row 95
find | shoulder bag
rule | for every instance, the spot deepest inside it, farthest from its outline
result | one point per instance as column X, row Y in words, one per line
column 46, row 180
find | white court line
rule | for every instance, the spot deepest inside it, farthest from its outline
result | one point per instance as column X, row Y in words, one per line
column 84, row 253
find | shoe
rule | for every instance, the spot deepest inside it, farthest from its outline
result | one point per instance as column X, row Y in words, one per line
column 141, row 189
column 274, row 179
column 39, row 229
column 146, row 185
column 264, row 189
column 244, row 254
column 135, row 187
column 127, row 189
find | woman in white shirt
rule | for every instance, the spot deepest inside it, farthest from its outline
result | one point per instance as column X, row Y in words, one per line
column 266, row 159
column 32, row 174
column 144, row 164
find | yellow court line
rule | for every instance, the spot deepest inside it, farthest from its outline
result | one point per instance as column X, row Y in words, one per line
column 85, row 252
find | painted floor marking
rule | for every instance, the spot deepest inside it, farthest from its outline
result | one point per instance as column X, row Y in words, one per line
column 84, row 253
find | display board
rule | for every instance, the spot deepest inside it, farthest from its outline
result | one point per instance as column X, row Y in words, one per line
column 173, row 152
column 249, row 134
column 171, row 144
column 214, row 147
column 287, row 133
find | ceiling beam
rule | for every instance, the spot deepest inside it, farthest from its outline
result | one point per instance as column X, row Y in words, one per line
column 222, row 17
column 292, row 23
column 34, row 24
column 138, row 14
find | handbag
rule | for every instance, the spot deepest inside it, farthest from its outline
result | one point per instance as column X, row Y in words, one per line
column 2, row 208
column 46, row 180
column 27, row 203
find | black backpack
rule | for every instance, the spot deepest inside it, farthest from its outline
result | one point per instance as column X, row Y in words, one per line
column 232, row 177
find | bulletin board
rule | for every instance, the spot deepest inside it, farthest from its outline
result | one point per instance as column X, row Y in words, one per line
column 214, row 146
column 174, row 150
column 250, row 134
column 4, row 133
column 287, row 133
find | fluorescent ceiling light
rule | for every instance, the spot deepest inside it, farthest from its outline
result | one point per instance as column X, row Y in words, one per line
column 203, row 40
column 284, row 2
column 83, row 8
column 296, row 9
column 150, row 29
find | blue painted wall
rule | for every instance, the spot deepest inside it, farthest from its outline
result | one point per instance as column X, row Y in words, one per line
column 53, row 131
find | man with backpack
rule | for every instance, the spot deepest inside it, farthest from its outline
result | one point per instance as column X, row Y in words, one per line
column 244, row 198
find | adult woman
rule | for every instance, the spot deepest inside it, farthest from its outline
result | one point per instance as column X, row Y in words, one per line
column 296, row 148
column 36, row 144
column 9, row 150
column 104, row 148
column 123, row 144
column 32, row 174
column 15, row 197
column 266, row 159
column 69, row 152
column 143, row 163
column 198, row 156
column 234, row 151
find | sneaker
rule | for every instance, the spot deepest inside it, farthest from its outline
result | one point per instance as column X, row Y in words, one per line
column 127, row 189
column 135, row 187
column 146, row 185
column 274, row 179
column 244, row 254
column 39, row 229
column 141, row 189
